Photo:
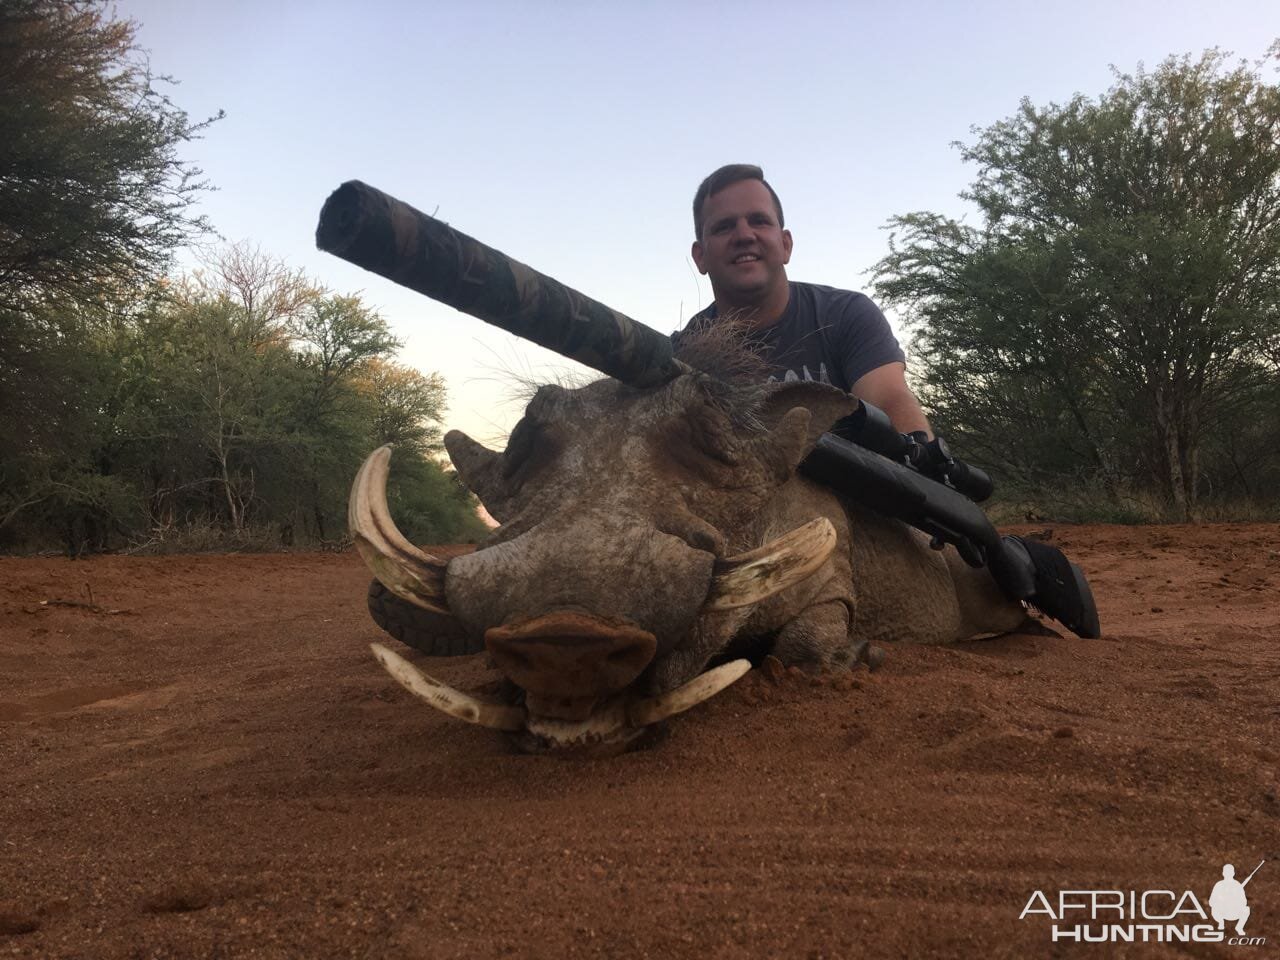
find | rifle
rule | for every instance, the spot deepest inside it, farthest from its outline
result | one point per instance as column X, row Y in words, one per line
column 867, row 460
column 908, row 477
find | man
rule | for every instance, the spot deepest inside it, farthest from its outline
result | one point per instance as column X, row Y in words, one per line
column 836, row 336
column 808, row 331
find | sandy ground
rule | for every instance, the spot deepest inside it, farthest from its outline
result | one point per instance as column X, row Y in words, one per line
column 209, row 763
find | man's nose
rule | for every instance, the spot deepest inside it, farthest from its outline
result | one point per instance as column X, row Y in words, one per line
column 742, row 231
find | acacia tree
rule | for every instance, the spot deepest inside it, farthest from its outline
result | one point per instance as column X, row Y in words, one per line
column 222, row 423
column 403, row 406
column 93, row 193
column 93, row 199
column 430, row 503
column 335, row 339
column 1116, row 306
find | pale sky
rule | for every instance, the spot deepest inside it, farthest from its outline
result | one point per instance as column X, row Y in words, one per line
column 572, row 135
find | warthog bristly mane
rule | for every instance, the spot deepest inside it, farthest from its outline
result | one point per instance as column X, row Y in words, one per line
column 730, row 359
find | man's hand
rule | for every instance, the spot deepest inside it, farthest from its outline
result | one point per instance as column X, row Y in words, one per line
column 886, row 387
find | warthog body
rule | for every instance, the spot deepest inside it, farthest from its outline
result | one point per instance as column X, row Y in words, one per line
column 623, row 508
column 652, row 523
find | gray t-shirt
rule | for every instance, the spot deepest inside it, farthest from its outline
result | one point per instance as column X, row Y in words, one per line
column 825, row 334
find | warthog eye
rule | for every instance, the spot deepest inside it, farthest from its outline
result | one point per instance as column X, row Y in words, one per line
column 709, row 432
column 530, row 445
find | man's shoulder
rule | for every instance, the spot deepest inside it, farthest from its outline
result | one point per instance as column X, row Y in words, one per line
column 833, row 304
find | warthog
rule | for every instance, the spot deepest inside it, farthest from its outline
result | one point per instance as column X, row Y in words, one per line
column 653, row 524
column 648, row 533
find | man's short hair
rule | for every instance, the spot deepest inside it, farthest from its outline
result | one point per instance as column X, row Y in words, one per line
column 727, row 175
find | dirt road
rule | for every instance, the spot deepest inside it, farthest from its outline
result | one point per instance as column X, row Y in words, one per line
column 208, row 762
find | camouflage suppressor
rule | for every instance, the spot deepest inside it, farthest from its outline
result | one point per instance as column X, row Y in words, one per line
column 375, row 231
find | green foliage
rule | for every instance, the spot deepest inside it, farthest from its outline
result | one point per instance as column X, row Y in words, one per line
column 93, row 196
column 1115, row 319
column 403, row 403
column 238, row 400
column 430, row 504
column 205, row 411
column 52, row 388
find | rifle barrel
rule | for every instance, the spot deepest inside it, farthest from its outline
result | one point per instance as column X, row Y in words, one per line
column 374, row 230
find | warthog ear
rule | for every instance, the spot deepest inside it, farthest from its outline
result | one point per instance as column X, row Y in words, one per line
column 825, row 404
column 479, row 467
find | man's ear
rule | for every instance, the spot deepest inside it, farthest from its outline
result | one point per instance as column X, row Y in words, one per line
column 696, row 252
column 786, row 246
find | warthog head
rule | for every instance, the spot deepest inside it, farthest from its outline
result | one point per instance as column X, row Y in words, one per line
column 644, row 516
column 637, row 535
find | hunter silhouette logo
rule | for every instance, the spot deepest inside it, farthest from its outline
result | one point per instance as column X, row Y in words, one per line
column 1148, row 916
column 1228, row 900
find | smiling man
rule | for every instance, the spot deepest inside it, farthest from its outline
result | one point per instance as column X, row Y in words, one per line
column 809, row 331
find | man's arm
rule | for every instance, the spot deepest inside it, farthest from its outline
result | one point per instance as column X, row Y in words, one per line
column 886, row 387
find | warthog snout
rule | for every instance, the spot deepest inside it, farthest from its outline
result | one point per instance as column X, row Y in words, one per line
column 568, row 660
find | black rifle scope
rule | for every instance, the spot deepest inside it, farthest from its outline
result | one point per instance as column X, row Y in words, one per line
column 870, row 427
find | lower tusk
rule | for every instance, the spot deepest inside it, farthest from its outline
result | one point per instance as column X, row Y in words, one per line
column 755, row 576
column 445, row 698
column 641, row 713
column 400, row 566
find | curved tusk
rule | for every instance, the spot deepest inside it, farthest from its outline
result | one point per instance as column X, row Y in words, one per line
column 755, row 576
column 641, row 713
column 443, row 697
column 400, row 566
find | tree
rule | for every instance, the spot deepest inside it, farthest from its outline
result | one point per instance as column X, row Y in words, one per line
column 232, row 407
column 92, row 190
column 431, row 504
column 338, row 335
column 54, row 463
column 404, row 403
column 1116, row 306
column 335, row 339
column 268, row 294
column 93, row 199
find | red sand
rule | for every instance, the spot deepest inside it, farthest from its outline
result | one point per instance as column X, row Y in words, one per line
column 212, row 764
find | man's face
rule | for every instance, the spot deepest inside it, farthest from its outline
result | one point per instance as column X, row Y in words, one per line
column 742, row 247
